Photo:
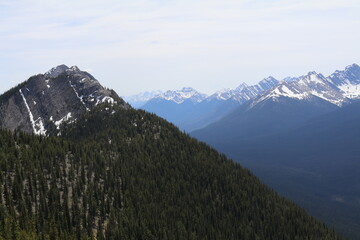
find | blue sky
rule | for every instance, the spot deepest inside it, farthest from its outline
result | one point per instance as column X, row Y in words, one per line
column 138, row 45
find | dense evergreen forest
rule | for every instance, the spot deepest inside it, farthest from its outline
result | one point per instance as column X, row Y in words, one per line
column 128, row 174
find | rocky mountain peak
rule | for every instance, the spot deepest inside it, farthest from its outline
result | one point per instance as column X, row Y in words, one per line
column 269, row 79
column 312, row 79
column 56, row 71
column 309, row 87
column 224, row 94
column 348, row 81
column 267, row 83
column 311, row 73
column 45, row 101
column 241, row 87
column 179, row 96
column 352, row 67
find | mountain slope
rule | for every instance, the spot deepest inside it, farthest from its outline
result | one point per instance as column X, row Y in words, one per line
column 265, row 117
column 316, row 165
column 306, row 151
column 135, row 176
column 43, row 102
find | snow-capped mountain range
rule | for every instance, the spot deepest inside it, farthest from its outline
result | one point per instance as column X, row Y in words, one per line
column 240, row 94
column 190, row 109
column 244, row 92
column 338, row 88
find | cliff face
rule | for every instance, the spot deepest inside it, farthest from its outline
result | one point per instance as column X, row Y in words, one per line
column 45, row 101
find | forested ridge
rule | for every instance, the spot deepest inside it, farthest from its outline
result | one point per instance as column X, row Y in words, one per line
column 126, row 174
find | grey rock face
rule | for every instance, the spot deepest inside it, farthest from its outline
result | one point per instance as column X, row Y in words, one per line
column 56, row 71
column 45, row 101
column 351, row 75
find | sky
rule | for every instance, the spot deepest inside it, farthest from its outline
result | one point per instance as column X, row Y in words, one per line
column 143, row 45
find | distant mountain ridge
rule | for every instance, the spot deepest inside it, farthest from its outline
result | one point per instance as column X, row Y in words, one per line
column 240, row 94
column 340, row 88
column 312, row 84
column 45, row 101
column 244, row 92
column 191, row 110
column 345, row 83
column 179, row 96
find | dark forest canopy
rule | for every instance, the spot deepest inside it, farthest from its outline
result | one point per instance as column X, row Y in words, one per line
column 128, row 174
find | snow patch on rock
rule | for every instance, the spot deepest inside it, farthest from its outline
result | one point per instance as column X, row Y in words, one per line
column 37, row 125
column 64, row 119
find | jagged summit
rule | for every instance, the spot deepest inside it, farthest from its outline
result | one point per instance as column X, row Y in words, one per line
column 267, row 83
column 240, row 94
column 45, row 101
column 339, row 88
column 348, row 81
column 241, row 87
column 56, row 71
column 179, row 96
column 225, row 94
column 244, row 92
column 351, row 67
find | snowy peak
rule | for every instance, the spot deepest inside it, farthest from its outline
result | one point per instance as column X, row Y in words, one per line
column 245, row 92
column 312, row 79
column 267, row 83
column 241, row 87
column 225, row 94
column 179, row 96
column 61, row 95
column 63, row 69
column 285, row 89
column 353, row 67
column 306, row 88
column 351, row 75
column 348, row 81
